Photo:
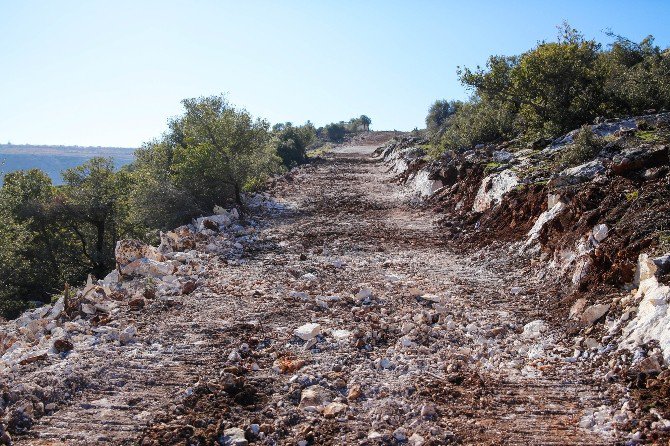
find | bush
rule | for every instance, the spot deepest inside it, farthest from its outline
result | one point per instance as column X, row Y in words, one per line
column 212, row 153
column 160, row 205
column 474, row 123
column 586, row 146
column 50, row 235
column 553, row 88
column 438, row 114
column 335, row 132
column 291, row 142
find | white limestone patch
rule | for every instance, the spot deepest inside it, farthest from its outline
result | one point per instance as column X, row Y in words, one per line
column 493, row 188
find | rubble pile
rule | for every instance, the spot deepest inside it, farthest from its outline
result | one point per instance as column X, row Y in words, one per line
column 50, row 340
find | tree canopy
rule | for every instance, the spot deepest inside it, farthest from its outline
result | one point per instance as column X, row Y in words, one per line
column 553, row 88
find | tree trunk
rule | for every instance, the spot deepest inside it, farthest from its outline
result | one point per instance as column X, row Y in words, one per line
column 238, row 196
column 99, row 266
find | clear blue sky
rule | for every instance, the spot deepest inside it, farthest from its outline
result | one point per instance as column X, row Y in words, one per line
column 112, row 72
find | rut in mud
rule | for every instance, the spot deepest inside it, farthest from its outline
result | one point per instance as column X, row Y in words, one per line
column 434, row 353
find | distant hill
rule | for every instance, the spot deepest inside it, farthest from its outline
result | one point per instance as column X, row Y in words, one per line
column 54, row 159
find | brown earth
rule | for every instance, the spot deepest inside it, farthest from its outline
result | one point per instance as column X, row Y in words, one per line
column 457, row 371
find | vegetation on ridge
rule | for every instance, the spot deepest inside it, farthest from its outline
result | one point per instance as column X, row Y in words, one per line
column 551, row 89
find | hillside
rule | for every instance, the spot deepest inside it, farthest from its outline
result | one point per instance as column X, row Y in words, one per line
column 488, row 297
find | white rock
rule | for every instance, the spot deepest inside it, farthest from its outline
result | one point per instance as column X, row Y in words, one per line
column 600, row 232
column 299, row 295
column 308, row 331
column 577, row 308
column 652, row 321
column 431, row 297
column 534, row 329
column 234, row 436
column 146, row 267
column 424, row 185
column 88, row 308
column 341, row 334
column 364, row 293
column 400, row 434
column 493, row 188
column 593, row 313
column 646, row 268
column 111, row 278
column 127, row 335
column 416, row 440
column 553, row 200
column 545, row 217
column 315, row 396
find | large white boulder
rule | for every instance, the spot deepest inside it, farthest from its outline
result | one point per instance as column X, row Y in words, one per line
column 424, row 185
column 493, row 188
column 652, row 321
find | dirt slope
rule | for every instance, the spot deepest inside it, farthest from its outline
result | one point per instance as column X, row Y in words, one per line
column 435, row 349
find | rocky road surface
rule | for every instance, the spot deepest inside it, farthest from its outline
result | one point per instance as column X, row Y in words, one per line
column 413, row 343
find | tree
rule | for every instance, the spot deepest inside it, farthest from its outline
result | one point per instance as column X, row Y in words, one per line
column 439, row 113
column 95, row 209
column 365, row 121
column 638, row 76
column 212, row 153
column 335, row 132
column 38, row 254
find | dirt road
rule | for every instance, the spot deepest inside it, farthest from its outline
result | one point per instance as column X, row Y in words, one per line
column 416, row 345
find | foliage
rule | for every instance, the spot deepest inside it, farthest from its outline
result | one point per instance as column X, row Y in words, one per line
column 211, row 154
column 476, row 122
column 95, row 208
column 551, row 89
column 439, row 113
column 638, row 76
column 365, row 122
column 585, row 147
column 335, row 132
column 50, row 236
column 37, row 252
column 291, row 142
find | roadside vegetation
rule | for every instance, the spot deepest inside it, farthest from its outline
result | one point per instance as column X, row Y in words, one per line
column 210, row 155
column 551, row 89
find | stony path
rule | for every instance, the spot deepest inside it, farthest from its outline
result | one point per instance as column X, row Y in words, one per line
column 438, row 349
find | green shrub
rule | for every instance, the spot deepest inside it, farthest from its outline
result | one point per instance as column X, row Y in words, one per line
column 551, row 89
column 292, row 141
column 335, row 132
column 585, row 146
column 474, row 123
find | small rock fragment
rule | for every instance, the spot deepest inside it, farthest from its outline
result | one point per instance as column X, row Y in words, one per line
column 334, row 409
column 308, row 331
column 593, row 313
column 234, row 437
